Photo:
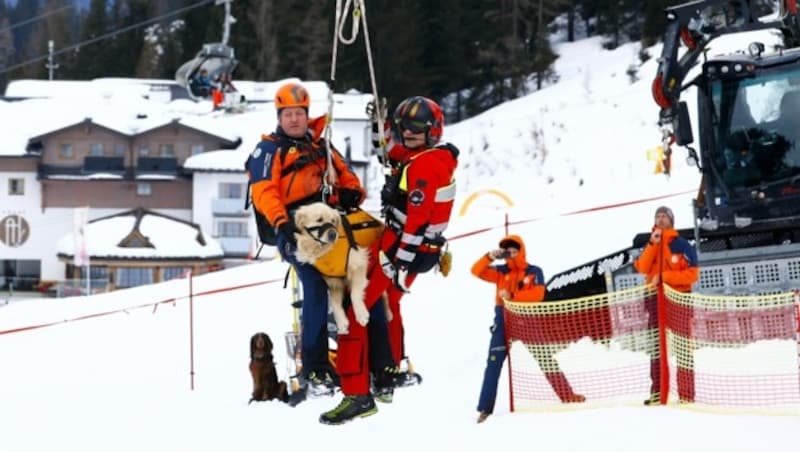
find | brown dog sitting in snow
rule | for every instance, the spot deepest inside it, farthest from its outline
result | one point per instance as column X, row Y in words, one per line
column 265, row 379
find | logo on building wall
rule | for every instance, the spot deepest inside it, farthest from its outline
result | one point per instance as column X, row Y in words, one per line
column 14, row 231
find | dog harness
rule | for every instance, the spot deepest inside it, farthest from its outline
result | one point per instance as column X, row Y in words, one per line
column 356, row 229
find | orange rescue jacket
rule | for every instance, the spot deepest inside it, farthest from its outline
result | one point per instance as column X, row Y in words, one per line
column 673, row 257
column 522, row 281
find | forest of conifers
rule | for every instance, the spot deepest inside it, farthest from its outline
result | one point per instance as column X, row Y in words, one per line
column 474, row 53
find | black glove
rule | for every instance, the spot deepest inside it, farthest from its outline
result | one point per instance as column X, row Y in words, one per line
column 287, row 230
column 349, row 198
column 389, row 190
column 372, row 109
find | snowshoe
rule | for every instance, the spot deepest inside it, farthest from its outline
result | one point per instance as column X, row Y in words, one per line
column 408, row 379
column 318, row 384
column 398, row 378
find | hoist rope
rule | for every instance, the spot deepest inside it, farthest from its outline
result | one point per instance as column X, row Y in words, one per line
column 359, row 16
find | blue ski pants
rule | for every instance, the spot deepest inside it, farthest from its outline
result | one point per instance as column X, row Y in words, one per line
column 314, row 319
column 494, row 363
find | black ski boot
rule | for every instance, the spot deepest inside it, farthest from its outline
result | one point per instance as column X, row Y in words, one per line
column 348, row 409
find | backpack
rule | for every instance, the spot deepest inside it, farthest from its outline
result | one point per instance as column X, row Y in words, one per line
column 266, row 232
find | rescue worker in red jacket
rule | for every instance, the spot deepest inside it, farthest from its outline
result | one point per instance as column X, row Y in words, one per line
column 289, row 169
column 516, row 280
column 417, row 203
column 671, row 259
column 395, row 157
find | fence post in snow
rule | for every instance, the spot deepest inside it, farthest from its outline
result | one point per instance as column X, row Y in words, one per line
column 191, row 332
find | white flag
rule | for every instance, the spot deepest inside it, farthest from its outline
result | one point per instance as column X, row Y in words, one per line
column 80, row 218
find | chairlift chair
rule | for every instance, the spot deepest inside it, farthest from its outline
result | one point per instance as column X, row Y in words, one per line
column 216, row 58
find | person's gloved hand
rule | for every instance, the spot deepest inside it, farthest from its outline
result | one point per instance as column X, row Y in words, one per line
column 396, row 271
column 399, row 279
column 372, row 109
column 349, row 198
column 287, row 230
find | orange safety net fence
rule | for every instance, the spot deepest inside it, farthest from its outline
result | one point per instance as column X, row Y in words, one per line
column 722, row 351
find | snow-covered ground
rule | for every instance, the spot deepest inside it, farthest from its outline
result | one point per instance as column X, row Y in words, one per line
column 121, row 382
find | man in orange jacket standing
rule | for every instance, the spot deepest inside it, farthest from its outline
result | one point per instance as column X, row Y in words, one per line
column 671, row 259
column 516, row 280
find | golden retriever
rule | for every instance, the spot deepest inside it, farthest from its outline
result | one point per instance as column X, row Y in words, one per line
column 321, row 241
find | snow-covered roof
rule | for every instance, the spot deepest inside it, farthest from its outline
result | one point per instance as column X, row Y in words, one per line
column 221, row 160
column 159, row 237
column 134, row 106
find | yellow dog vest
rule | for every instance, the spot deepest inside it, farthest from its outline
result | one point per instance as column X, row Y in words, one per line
column 366, row 231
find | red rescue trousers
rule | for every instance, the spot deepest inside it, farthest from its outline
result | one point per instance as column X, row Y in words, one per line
column 352, row 357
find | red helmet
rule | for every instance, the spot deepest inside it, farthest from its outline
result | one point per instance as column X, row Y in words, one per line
column 419, row 114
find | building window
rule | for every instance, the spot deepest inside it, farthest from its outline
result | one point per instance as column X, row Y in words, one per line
column 167, row 150
column 231, row 229
column 144, row 150
column 230, row 190
column 119, row 150
column 99, row 277
column 96, row 150
column 144, row 189
column 198, row 149
column 66, row 151
column 16, row 187
column 168, row 273
column 132, row 277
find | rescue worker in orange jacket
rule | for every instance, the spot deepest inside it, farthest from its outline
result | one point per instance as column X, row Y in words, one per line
column 418, row 203
column 671, row 259
column 516, row 280
column 289, row 169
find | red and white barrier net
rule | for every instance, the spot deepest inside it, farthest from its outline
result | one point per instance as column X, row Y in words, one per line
column 723, row 352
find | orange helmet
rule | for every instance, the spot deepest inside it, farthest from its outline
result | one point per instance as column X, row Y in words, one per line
column 292, row 95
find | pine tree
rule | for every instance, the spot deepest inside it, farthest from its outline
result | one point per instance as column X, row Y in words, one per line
column 6, row 44
column 162, row 51
column 127, row 46
column 93, row 59
column 55, row 27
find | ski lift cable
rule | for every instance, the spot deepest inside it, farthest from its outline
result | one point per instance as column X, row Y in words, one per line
column 36, row 18
column 107, row 35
